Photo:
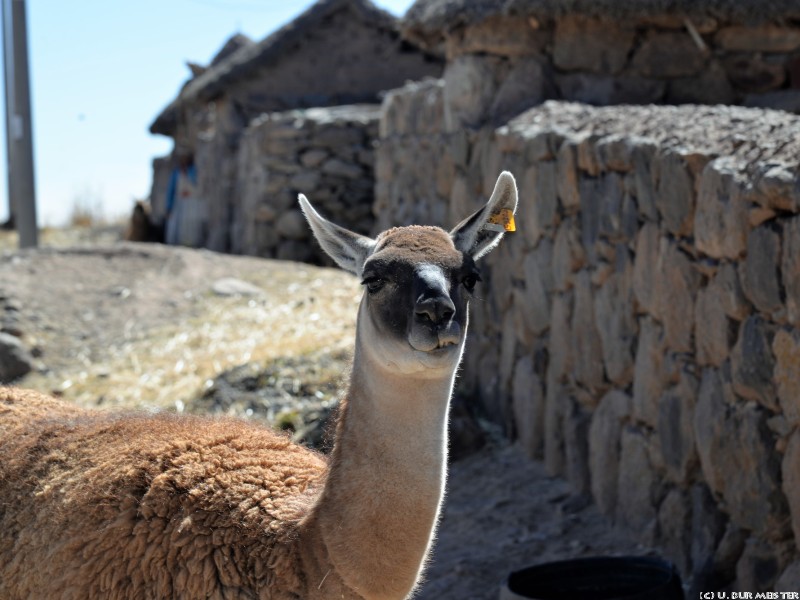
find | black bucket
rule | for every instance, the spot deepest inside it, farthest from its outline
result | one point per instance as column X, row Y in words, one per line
column 617, row 578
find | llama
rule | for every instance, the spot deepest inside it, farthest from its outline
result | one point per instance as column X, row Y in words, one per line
column 119, row 506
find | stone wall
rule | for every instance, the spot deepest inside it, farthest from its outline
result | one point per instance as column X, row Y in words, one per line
column 162, row 169
column 639, row 333
column 502, row 65
column 325, row 153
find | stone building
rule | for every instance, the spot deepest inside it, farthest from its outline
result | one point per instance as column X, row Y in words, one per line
column 641, row 332
column 507, row 55
column 337, row 52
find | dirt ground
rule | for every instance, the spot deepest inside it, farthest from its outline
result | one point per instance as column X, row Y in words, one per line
column 149, row 326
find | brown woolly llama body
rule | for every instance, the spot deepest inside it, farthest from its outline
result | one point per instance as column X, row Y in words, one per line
column 147, row 506
column 133, row 506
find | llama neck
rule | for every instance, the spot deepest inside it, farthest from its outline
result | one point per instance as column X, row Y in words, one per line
column 377, row 514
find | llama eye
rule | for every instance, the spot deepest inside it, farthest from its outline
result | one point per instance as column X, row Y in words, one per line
column 373, row 284
column 470, row 280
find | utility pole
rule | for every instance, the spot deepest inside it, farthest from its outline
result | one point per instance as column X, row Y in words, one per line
column 19, row 127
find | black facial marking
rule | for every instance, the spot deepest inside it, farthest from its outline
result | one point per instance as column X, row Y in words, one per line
column 417, row 280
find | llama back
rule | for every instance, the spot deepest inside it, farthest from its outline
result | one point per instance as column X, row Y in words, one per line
column 146, row 505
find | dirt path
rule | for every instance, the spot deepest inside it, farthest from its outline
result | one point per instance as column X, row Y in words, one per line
column 149, row 326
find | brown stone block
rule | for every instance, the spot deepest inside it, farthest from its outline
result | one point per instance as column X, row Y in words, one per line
column 675, row 194
column 593, row 45
column 790, row 268
column 604, row 90
column 721, row 218
column 587, row 347
column 605, row 433
column 786, row 347
column 716, row 308
column 676, row 429
column 764, row 38
column 761, row 281
column 469, row 90
column 568, row 254
column 617, row 325
column 567, row 176
column 749, row 482
column 616, row 153
column 556, row 402
column 711, row 86
column 643, row 156
column 668, row 55
column 676, row 285
column 540, row 183
column 648, row 375
column 750, row 73
column 646, row 252
column 527, row 398
column 538, row 278
column 777, row 187
column 753, row 364
column 562, row 357
column 637, row 486
column 528, row 83
column 501, row 35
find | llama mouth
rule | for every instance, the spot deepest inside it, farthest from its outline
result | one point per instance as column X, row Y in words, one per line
column 434, row 346
column 435, row 343
column 441, row 349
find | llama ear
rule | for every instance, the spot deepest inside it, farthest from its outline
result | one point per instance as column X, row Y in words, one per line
column 348, row 249
column 479, row 233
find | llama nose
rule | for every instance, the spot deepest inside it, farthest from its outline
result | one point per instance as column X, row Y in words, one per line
column 437, row 309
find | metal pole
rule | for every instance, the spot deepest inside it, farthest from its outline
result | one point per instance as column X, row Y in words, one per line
column 20, row 129
column 8, row 79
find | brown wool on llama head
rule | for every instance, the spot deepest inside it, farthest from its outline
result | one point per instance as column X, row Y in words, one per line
column 102, row 505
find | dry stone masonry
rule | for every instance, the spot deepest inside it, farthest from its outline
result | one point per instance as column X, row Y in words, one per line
column 640, row 337
column 326, row 153
column 504, row 57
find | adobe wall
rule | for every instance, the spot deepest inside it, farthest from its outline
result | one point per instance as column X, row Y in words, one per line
column 639, row 332
column 325, row 153
column 503, row 65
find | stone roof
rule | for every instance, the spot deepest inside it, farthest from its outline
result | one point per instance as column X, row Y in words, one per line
column 427, row 21
column 247, row 59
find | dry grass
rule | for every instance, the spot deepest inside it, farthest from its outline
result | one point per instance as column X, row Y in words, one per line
column 173, row 365
column 60, row 237
column 304, row 311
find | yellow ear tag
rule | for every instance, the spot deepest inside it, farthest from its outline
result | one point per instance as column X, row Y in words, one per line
column 502, row 221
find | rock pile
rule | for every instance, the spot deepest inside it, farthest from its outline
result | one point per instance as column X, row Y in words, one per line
column 15, row 358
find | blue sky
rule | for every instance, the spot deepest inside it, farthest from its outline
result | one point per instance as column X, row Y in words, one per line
column 102, row 70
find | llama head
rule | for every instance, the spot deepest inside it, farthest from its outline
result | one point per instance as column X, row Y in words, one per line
column 418, row 281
